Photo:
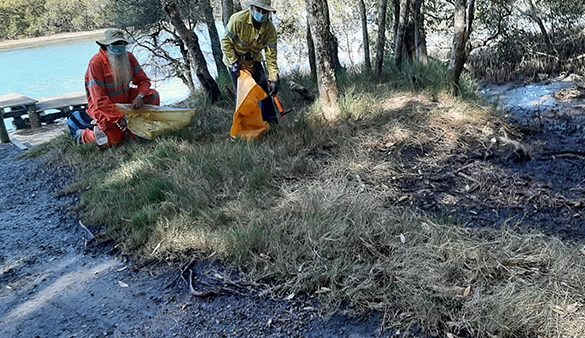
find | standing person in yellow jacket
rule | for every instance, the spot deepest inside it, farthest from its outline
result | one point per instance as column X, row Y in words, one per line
column 248, row 33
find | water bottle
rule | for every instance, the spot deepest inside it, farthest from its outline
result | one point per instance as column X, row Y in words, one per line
column 101, row 139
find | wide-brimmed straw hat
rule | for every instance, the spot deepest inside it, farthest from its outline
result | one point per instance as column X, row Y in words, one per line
column 112, row 35
column 264, row 4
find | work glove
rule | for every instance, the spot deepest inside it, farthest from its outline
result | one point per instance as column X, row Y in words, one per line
column 236, row 69
column 273, row 87
column 122, row 124
column 138, row 102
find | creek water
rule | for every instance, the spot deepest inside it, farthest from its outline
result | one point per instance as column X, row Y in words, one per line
column 535, row 107
column 525, row 98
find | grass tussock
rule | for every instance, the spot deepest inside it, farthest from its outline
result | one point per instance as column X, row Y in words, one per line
column 311, row 207
column 332, row 239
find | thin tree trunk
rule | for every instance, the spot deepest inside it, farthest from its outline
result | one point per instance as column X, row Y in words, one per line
column 181, row 65
column 396, row 20
column 205, row 6
column 381, row 42
column 311, row 51
column 321, row 32
column 533, row 14
column 227, row 9
column 334, row 47
column 332, row 39
column 463, row 21
column 363, row 14
column 197, row 59
column 237, row 6
column 420, row 37
column 401, row 32
column 187, row 74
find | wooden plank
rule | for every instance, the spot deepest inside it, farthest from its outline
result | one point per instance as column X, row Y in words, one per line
column 14, row 100
column 60, row 102
column 15, row 113
column 3, row 132
column 19, row 144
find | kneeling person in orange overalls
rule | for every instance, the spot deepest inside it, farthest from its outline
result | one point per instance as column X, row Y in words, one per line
column 107, row 82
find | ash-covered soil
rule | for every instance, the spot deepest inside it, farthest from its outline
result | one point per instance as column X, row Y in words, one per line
column 497, row 185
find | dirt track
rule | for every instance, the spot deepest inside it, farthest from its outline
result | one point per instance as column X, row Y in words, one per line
column 52, row 285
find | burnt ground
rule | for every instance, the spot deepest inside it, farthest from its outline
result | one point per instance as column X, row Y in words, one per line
column 494, row 185
column 56, row 283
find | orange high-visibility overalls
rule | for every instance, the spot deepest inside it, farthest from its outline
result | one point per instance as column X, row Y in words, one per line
column 102, row 95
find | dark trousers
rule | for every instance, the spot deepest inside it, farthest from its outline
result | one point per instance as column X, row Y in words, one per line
column 266, row 105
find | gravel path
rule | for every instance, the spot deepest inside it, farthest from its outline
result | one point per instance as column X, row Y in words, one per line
column 52, row 285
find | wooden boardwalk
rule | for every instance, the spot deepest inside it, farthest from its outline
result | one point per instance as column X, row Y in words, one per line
column 45, row 110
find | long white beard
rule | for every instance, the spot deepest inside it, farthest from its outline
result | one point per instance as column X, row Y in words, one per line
column 121, row 70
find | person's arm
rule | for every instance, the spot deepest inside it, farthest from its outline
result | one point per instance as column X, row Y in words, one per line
column 104, row 109
column 272, row 54
column 227, row 42
column 139, row 77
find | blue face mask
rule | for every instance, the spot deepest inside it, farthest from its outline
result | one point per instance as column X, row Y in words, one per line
column 259, row 17
column 117, row 50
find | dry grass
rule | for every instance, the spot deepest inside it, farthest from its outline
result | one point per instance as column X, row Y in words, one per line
column 330, row 238
column 310, row 208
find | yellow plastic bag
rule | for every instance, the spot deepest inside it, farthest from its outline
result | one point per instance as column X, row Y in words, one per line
column 248, row 123
column 152, row 121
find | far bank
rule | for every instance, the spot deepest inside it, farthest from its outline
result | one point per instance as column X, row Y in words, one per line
column 50, row 39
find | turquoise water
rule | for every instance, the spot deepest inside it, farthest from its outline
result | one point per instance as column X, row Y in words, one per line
column 59, row 69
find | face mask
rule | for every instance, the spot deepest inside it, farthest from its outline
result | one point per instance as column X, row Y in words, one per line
column 259, row 17
column 117, row 50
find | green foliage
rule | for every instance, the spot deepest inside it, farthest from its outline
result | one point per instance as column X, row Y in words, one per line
column 28, row 18
column 140, row 15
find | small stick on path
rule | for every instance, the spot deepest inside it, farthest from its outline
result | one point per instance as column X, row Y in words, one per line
column 91, row 235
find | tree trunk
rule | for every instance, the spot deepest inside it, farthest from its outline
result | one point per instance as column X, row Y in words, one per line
column 363, row 14
column 463, row 21
column 399, row 44
column 222, row 72
column 321, row 32
column 396, row 20
column 334, row 47
column 332, row 39
column 420, row 37
column 533, row 14
column 237, row 6
column 381, row 42
column 186, row 75
column 227, row 9
column 311, row 51
column 197, row 59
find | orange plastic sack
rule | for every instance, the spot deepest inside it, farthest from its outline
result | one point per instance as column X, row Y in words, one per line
column 248, row 123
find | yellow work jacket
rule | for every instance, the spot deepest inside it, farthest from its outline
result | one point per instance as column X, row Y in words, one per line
column 241, row 37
